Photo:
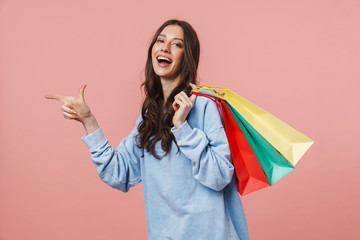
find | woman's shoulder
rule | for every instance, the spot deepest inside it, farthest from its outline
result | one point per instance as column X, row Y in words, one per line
column 205, row 108
column 205, row 102
column 205, row 115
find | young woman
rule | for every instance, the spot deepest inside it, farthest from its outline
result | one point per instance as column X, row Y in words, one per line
column 178, row 148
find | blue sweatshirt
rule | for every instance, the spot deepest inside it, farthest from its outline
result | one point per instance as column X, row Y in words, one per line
column 189, row 194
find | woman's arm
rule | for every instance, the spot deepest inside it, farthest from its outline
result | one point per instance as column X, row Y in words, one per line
column 207, row 148
column 118, row 168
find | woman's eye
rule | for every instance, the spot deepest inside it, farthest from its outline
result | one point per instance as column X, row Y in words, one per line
column 178, row 45
column 160, row 40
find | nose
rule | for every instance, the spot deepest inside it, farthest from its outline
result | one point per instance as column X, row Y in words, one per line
column 165, row 47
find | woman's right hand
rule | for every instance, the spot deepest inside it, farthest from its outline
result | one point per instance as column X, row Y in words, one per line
column 75, row 108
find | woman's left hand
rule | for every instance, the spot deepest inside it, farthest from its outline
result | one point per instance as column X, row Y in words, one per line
column 182, row 106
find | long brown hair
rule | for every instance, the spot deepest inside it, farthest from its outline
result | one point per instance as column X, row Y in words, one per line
column 156, row 115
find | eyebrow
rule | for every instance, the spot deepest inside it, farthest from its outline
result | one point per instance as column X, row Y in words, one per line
column 163, row 35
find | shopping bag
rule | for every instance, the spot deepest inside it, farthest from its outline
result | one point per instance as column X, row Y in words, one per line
column 252, row 155
column 249, row 173
column 290, row 143
column 272, row 162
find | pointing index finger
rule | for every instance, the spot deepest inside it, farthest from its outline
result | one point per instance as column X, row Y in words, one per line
column 55, row 97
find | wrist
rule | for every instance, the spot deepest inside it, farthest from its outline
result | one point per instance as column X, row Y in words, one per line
column 178, row 124
column 90, row 124
column 88, row 119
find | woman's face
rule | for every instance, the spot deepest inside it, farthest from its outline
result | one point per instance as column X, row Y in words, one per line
column 168, row 51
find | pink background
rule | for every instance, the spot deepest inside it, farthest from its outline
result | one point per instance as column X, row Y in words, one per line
column 300, row 60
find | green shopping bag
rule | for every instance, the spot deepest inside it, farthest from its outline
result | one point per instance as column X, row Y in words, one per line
column 272, row 162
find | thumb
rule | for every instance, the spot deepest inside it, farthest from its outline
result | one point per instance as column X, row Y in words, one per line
column 81, row 92
column 193, row 98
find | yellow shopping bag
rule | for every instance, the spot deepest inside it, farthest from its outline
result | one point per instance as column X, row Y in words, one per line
column 288, row 141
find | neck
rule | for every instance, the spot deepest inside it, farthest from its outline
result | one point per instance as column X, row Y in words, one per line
column 168, row 86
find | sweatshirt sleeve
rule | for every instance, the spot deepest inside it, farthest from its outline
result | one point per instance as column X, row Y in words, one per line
column 208, row 149
column 120, row 167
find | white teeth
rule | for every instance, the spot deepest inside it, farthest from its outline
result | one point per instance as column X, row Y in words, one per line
column 163, row 58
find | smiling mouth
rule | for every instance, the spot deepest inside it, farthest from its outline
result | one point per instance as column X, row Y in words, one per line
column 161, row 59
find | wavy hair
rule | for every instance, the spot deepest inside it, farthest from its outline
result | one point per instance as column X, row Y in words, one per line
column 156, row 114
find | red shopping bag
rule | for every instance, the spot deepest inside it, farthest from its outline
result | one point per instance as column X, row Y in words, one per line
column 249, row 172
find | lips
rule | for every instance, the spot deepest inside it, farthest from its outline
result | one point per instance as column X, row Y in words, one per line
column 163, row 61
